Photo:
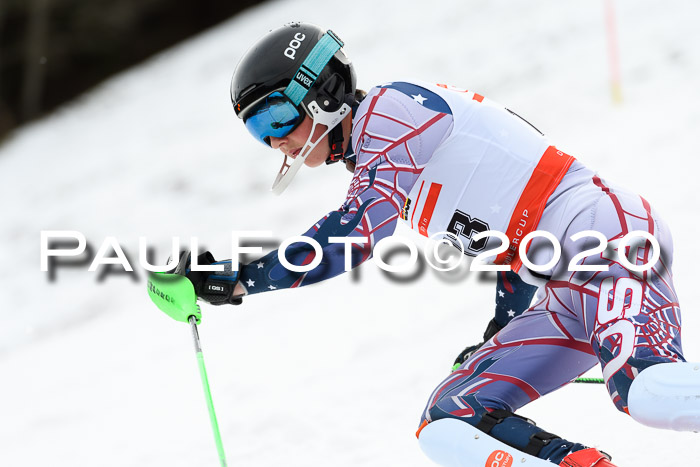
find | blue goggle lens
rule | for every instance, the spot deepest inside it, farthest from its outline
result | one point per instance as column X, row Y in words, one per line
column 275, row 116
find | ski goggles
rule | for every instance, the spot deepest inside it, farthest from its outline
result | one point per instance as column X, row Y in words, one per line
column 275, row 116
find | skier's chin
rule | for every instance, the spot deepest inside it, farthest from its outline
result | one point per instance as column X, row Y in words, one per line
column 314, row 160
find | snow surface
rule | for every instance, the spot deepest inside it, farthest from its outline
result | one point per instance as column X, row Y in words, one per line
column 335, row 374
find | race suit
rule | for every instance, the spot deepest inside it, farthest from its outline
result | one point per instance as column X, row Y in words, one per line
column 452, row 164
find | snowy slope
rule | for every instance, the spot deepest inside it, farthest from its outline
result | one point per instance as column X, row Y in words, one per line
column 335, row 374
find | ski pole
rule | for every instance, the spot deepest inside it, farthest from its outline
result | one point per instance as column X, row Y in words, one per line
column 207, row 392
column 590, row 380
column 174, row 295
column 456, row 366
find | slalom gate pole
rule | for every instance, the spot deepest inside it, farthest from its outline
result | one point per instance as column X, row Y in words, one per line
column 613, row 52
column 207, row 393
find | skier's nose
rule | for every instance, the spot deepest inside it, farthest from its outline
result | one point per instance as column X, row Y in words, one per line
column 275, row 143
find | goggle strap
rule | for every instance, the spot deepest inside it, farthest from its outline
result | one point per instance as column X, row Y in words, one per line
column 311, row 67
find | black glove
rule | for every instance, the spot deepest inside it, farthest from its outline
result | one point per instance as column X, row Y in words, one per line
column 215, row 287
column 491, row 329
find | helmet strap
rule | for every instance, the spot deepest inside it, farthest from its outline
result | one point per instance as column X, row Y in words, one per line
column 335, row 142
column 336, row 138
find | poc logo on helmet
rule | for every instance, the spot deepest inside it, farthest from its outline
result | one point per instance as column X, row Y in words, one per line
column 294, row 44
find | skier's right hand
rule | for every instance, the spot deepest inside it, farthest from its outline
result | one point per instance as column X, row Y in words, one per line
column 215, row 287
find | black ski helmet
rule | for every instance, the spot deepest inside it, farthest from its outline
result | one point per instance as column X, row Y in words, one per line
column 273, row 62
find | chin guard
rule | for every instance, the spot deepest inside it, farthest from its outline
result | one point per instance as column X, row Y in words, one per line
column 320, row 117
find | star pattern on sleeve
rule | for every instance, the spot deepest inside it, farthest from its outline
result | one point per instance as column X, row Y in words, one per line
column 418, row 98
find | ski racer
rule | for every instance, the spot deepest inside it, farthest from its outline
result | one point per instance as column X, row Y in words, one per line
column 451, row 163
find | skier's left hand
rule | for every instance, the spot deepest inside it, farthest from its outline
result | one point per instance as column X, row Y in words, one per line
column 491, row 330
